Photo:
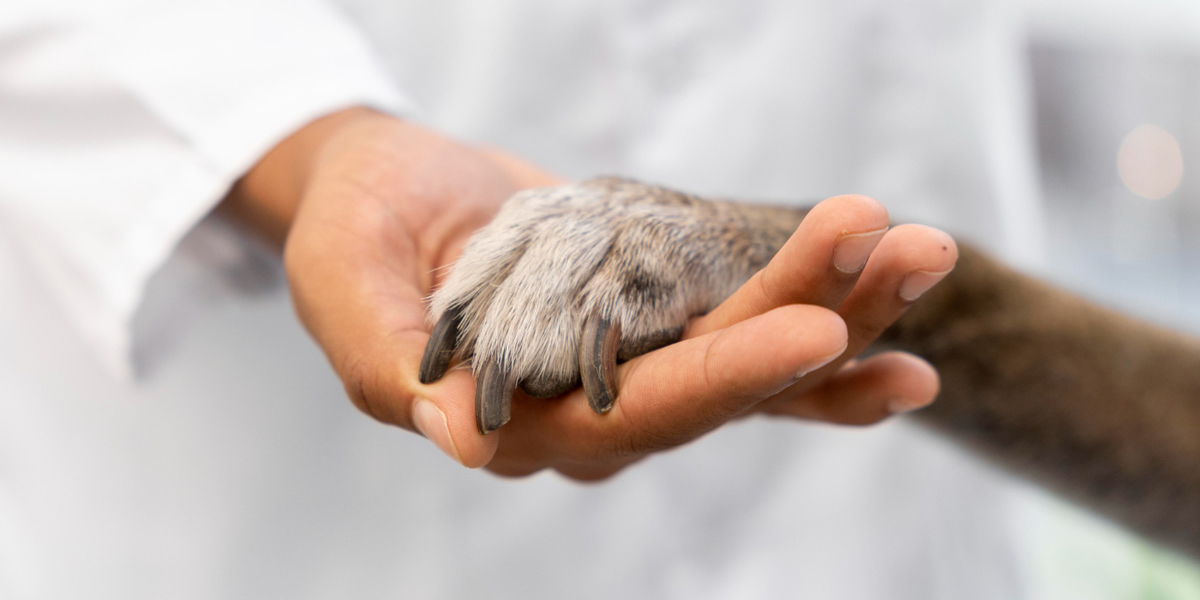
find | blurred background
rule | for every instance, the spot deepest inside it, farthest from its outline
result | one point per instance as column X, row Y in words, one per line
column 1117, row 88
column 1117, row 96
column 1061, row 134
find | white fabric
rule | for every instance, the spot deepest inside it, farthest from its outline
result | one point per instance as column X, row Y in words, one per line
column 236, row 468
column 122, row 128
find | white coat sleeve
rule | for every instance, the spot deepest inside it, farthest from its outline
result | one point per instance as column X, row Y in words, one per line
column 123, row 124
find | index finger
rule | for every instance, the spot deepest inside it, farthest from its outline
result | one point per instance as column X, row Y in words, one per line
column 819, row 264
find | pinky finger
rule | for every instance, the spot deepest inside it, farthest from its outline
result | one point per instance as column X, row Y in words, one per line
column 863, row 392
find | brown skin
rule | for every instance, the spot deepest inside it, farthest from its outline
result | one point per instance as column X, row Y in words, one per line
column 368, row 208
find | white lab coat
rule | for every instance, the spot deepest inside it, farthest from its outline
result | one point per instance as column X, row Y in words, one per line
column 167, row 429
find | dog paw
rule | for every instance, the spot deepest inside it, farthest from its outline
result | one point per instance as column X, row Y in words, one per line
column 567, row 281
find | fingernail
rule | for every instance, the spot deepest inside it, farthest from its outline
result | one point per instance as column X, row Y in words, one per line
column 820, row 362
column 898, row 406
column 432, row 423
column 919, row 282
column 852, row 250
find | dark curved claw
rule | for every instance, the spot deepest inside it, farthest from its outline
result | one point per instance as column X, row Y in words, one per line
column 598, row 361
column 493, row 397
column 440, row 348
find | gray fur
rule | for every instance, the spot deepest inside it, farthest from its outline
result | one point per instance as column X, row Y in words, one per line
column 643, row 256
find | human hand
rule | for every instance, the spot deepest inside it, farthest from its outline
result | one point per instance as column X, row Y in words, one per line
column 770, row 347
column 369, row 209
column 385, row 204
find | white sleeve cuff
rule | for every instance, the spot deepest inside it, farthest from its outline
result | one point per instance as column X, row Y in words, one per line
column 233, row 77
column 130, row 128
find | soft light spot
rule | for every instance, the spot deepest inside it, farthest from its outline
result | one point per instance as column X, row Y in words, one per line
column 1149, row 162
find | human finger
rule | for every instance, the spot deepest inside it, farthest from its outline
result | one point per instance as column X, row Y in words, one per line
column 909, row 261
column 818, row 265
column 862, row 393
column 677, row 393
column 357, row 283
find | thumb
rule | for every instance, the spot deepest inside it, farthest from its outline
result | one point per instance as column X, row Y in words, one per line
column 371, row 325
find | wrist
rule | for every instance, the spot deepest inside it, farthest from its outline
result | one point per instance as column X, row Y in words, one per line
column 266, row 198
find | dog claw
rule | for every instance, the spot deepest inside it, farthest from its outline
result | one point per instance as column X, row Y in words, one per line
column 598, row 361
column 440, row 348
column 493, row 398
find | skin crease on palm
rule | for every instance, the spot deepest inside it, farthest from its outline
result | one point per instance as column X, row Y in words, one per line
column 370, row 210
